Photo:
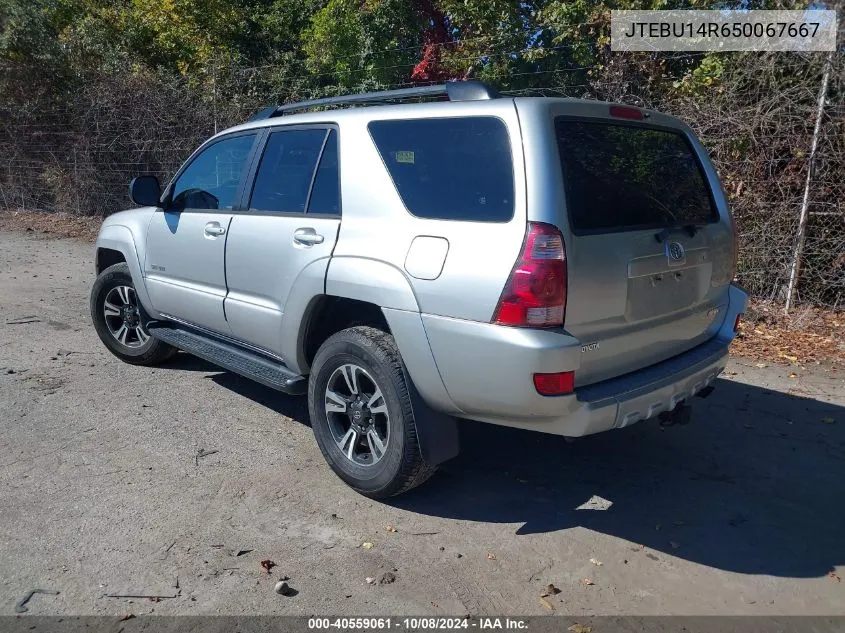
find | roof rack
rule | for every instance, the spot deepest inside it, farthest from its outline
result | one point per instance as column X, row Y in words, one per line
column 467, row 90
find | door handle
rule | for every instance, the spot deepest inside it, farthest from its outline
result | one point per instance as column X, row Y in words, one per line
column 214, row 229
column 307, row 237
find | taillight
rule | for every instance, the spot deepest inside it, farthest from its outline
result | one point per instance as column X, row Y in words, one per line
column 535, row 294
column 737, row 322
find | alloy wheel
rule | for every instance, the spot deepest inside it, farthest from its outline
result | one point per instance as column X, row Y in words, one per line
column 357, row 414
column 123, row 317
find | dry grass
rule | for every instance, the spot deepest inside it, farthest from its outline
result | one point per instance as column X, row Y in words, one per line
column 809, row 335
column 55, row 225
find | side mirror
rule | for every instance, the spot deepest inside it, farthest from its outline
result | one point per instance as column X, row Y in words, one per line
column 145, row 191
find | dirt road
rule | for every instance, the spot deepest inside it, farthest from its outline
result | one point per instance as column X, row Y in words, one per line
column 102, row 492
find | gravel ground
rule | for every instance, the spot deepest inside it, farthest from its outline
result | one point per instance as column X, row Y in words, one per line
column 102, row 492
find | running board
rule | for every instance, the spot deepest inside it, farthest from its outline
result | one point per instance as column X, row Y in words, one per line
column 249, row 364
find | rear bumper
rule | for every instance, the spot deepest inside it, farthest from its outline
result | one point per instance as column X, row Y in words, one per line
column 487, row 371
column 622, row 401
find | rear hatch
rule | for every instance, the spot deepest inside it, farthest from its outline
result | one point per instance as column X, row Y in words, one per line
column 649, row 251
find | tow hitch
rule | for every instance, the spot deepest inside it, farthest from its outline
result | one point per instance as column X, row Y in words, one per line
column 681, row 414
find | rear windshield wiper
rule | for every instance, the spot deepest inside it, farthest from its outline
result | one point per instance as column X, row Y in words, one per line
column 690, row 229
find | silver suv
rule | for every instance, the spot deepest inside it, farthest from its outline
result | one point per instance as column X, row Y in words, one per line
column 556, row 265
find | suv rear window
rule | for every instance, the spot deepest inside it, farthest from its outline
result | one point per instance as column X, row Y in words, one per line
column 449, row 169
column 624, row 177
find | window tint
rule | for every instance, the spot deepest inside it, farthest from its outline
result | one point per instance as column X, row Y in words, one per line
column 624, row 177
column 325, row 195
column 211, row 180
column 452, row 169
column 286, row 171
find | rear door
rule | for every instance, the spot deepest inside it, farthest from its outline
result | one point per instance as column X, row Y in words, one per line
column 649, row 254
column 290, row 222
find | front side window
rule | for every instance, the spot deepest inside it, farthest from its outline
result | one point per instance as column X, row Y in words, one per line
column 286, row 172
column 449, row 169
column 212, row 178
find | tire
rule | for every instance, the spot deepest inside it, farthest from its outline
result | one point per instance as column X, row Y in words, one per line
column 396, row 465
column 135, row 345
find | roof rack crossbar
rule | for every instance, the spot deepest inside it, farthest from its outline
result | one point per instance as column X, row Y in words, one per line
column 455, row 90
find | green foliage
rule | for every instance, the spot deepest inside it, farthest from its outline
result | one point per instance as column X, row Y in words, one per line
column 29, row 29
column 315, row 47
column 349, row 41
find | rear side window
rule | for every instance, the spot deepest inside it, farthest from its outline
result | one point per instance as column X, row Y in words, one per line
column 449, row 169
column 624, row 177
column 325, row 194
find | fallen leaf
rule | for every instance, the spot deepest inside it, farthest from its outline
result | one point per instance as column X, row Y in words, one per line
column 126, row 617
column 587, row 581
column 551, row 590
column 580, row 628
column 367, row 545
column 370, row 580
column 828, row 420
column 833, row 575
column 547, row 604
column 674, row 544
column 390, row 529
column 761, row 365
column 267, row 565
column 491, row 556
column 792, row 374
column 596, row 562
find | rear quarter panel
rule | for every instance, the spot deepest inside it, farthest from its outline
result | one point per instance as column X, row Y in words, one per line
column 377, row 226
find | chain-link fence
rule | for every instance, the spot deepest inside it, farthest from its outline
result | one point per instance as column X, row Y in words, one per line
column 758, row 123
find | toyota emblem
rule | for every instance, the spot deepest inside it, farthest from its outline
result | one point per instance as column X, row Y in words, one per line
column 675, row 251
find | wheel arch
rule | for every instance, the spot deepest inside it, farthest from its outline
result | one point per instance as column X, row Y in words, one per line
column 366, row 285
column 328, row 314
column 114, row 244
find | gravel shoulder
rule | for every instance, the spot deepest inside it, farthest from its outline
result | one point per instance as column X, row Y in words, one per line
column 102, row 491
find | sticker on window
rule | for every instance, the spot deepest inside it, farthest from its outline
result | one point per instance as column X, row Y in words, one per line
column 405, row 157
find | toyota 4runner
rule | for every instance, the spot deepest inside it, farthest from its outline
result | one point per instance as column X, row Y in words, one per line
column 557, row 265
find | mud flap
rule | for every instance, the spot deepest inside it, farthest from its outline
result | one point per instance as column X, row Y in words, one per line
column 437, row 433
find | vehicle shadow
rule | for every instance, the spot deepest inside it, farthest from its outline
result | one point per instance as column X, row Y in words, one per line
column 754, row 484
column 293, row 407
